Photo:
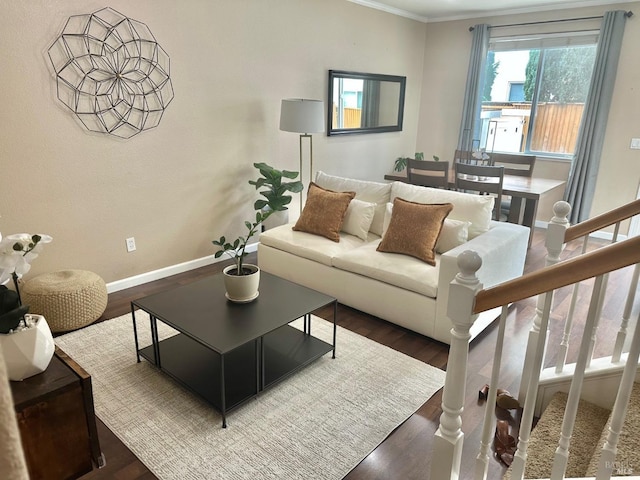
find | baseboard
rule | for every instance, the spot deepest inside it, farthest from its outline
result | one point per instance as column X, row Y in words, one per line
column 167, row 271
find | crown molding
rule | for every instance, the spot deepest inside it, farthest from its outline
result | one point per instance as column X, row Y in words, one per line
column 391, row 10
column 488, row 13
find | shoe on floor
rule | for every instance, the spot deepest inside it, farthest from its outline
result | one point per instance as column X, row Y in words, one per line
column 504, row 399
column 504, row 444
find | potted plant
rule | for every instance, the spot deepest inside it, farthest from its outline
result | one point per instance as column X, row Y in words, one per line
column 242, row 280
column 275, row 194
column 401, row 162
column 27, row 343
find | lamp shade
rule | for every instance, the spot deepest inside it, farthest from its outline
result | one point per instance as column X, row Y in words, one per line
column 302, row 116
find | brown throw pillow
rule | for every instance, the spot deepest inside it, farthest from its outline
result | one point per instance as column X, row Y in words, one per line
column 414, row 229
column 324, row 212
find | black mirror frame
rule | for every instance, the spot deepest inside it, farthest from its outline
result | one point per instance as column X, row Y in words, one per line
column 366, row 76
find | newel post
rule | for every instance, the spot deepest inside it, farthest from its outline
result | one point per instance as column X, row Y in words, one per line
column 448, row 440
column 555, row 244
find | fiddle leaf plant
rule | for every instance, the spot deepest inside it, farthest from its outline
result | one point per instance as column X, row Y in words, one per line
column 276, row 199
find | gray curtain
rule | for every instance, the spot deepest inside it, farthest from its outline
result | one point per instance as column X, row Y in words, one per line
column 469, row 128
column 370, row 104
column 584, row 170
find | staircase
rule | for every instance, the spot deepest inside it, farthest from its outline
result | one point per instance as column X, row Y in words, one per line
column 586, row 430
column 589, row 434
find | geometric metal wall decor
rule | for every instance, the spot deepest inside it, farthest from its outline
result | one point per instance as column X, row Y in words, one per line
column 112, row 73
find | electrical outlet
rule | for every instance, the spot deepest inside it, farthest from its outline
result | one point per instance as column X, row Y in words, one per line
column 635, row 143
column 131, row 244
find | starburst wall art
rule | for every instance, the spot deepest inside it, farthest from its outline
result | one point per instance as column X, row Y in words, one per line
column 112, row 73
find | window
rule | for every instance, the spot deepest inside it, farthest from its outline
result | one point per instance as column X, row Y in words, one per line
column 534, row 93
column 516, row 91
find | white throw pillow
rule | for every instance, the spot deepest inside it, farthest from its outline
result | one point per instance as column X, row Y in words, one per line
column 453, row 233
column 358, row 218
column 374, row 192
column 468, row 207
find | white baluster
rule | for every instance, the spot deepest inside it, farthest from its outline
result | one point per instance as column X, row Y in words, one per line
column 449, row 439
column 601, row 300
column 622, row 333
column 482, row 460
column 608, row 457
column 562, row 452
column 594, row 335
column 526, row 420
column 561, row 359
column 555, row 244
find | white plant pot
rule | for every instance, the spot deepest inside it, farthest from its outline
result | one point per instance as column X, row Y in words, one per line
column 28, row 352
column 242, row 288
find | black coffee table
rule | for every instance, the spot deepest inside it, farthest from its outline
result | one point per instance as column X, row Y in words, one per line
column 227, row 352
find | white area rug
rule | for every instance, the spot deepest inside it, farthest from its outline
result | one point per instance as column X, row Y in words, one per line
column 317, row 424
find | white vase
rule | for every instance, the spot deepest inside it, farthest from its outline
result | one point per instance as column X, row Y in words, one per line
column 242, row 288
column 28, row 352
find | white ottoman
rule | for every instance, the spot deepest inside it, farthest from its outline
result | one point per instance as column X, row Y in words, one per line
column 68, row 299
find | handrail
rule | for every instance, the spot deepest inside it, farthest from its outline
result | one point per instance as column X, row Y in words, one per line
column 606, row 259
column 603, row 220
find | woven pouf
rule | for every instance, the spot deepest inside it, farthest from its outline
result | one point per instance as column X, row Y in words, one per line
column 68, row 299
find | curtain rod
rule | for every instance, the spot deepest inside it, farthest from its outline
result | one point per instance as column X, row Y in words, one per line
column 627, row 14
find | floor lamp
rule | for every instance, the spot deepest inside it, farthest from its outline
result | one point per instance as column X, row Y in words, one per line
column 305, row 117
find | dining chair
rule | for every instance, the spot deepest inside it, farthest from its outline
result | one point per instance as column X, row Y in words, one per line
column 514, row 164
column 483, row 179
column 428, row 173
column 462, row 156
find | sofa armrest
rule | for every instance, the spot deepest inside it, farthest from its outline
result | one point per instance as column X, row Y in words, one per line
column 503, row 250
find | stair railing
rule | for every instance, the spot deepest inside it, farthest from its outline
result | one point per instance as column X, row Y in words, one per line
column 622, row 333
column 555, row 244
column 470, row 300
column 582, row 230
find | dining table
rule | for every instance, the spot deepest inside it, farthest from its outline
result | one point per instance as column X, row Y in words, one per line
column 525, row 193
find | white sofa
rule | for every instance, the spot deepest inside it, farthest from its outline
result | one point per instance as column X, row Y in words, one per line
column 398, row 288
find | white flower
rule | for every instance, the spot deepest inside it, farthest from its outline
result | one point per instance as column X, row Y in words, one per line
column 19, row 261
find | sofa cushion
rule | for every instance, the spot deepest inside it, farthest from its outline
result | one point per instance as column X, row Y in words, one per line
column 358, row 218
column 467, row 207
column 323, row 212
column 453, row 234
column 414, row 229
column 400, row 270
column 309, row 246
column 374, row 192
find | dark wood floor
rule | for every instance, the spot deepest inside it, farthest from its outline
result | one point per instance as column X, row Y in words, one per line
column 405, row 454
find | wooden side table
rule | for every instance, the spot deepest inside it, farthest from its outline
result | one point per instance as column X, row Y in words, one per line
column 57, row 421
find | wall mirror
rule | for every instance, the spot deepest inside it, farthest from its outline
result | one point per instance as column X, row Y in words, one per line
column 364, row 103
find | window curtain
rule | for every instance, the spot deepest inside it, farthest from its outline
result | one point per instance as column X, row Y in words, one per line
column 469, row 128
column 584, row 169
column 370, row 103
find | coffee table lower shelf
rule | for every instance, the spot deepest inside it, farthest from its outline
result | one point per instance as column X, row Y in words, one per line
column 248, row 369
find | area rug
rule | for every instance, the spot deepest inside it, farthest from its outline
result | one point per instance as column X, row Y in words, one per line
column 317, row 424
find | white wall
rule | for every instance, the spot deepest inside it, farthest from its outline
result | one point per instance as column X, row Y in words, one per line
column 184, row 183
